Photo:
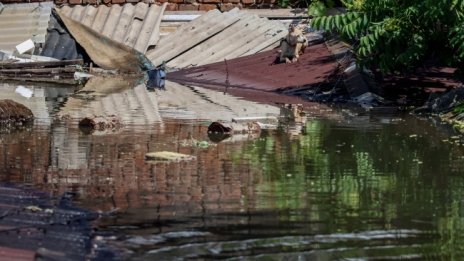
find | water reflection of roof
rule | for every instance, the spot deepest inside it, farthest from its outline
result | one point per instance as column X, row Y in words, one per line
column 188, row 102
column 42, row 100
column 115, row 95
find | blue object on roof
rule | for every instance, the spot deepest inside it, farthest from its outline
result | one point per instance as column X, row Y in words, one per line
column 156, row 78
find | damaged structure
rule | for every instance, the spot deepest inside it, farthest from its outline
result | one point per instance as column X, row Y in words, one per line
column 234, row 52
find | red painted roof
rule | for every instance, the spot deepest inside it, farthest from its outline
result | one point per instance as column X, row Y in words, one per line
column 260, row 72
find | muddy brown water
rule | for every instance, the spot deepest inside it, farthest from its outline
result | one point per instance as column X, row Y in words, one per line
column 352, row 187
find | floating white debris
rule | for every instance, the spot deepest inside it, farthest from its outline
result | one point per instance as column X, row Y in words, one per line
column 25, row 46
column 168, row 156
column 23, row 91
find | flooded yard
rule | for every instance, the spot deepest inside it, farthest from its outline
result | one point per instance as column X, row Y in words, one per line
column 343, row 186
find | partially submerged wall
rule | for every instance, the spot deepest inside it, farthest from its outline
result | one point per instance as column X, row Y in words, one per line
column 173, row 5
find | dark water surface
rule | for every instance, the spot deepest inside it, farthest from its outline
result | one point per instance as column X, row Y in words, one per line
column 357, row 188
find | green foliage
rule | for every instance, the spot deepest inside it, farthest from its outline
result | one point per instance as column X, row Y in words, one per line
column 458, row 109
column 294, row 3
column 397, row 35
column 317, row 8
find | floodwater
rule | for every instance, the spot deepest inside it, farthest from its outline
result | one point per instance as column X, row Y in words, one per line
column 343, row 186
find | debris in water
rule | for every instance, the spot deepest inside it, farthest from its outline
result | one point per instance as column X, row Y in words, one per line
column 14, row 113
column 233, row 127
column 202, row 144
column 99, row 123
column 167, row 156
column 23, row 91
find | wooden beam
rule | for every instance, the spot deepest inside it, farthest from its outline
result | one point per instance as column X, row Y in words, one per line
column 6, row 65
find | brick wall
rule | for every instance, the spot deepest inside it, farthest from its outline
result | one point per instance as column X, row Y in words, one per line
column 173, row 5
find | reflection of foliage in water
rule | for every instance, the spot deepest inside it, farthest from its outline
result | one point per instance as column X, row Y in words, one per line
column 354, row 179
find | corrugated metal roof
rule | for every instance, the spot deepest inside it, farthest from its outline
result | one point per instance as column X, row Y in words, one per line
column 136, row 26
column 216, row 36
column 259, row 72
column 19, row 22
column 60, row 44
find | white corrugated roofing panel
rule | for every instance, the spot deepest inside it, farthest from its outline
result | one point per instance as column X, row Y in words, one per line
column 20, row 22
column 216, row 36
column 136, row 26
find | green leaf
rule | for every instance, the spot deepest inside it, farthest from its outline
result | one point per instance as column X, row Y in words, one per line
column 338, row 21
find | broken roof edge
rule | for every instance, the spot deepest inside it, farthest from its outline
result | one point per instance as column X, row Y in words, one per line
column 134, row 24
column 22, row 21
column 104, row 51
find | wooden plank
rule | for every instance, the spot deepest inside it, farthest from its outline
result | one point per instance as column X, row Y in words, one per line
column 191, row 34
column 38, row 70
column 39, row 79
column 40, row 64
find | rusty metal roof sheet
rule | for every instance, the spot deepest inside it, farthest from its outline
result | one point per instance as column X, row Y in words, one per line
column 259, row 72
column 136, row 26
column 216, row 36
column 20, row 22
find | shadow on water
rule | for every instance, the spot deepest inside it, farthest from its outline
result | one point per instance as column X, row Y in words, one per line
column 354, row 187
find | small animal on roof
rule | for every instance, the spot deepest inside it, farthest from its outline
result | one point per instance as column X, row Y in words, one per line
column 293, row 45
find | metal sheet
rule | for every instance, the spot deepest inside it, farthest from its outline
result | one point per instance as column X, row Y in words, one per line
column 59, row 43
column 104, row 51
column 136, row 26
column 259, row 72
column 216, row 36
column 19, row 22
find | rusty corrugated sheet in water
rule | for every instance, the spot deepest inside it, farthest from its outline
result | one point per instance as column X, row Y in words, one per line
column 259, row 72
